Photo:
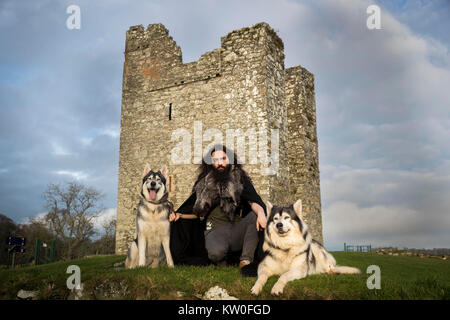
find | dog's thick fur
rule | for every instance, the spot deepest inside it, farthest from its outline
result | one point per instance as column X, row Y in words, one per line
column 152, row 224
column 291, row 251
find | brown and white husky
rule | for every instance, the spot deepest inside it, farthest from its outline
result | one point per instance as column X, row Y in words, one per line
column 152, row 223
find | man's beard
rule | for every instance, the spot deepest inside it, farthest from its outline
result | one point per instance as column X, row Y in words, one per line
column 214, row 189
column 221, row 175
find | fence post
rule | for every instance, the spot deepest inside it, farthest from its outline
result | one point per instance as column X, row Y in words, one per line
column 345, row 248
column 45, row 253
column 13, row 259
column 37, row 251
column 53, row 251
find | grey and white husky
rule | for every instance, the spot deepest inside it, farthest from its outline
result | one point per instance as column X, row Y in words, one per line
column 152, row 223
column 291, row 251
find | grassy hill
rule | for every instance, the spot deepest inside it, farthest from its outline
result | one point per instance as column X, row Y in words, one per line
column 401, row 278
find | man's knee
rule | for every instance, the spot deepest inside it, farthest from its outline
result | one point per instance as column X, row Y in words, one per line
column 217, row 253
column 216, row 246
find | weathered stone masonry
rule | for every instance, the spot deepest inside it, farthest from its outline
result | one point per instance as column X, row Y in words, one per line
column 242, row 85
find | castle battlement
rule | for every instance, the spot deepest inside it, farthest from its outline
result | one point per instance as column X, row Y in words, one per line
column 241, row 85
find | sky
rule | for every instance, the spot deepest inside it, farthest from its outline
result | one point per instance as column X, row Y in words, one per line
column 382, row 99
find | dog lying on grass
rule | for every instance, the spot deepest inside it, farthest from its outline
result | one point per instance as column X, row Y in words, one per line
column 291, row 251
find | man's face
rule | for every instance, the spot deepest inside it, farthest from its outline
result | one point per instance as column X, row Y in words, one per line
column 219, row 160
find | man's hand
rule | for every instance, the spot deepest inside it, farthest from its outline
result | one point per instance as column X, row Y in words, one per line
column 261, row 221
column 174, row 216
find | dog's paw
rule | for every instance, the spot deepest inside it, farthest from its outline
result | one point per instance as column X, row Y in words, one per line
column 277, row 289
column 256, row 290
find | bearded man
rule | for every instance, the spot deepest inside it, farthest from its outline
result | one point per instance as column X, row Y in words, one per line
column 225, row 207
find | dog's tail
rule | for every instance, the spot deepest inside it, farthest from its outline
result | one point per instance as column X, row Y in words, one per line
column 344, row 269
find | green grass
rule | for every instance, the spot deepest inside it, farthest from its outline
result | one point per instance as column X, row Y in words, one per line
column 401, row 278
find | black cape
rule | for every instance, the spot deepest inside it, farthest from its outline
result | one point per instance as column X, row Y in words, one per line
column 187, row 240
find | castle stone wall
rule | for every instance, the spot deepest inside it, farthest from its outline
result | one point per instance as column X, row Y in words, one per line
column 303, row 147
column 238, row 86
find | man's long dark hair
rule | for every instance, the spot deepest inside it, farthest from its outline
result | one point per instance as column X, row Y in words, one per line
column 207, row 166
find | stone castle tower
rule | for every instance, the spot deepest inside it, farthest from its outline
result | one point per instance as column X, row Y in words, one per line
column 241, row 86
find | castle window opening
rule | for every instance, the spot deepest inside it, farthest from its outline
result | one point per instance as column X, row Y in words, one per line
column 171, row 183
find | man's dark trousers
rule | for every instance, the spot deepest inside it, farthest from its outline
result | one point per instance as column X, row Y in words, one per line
column 241, row 235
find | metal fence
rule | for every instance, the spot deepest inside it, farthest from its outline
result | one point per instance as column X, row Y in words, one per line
column 43, row 252
column 357, row 248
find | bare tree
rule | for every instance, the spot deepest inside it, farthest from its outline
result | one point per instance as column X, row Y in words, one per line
column 8, row 228
column 71, row 210
column 109, row 227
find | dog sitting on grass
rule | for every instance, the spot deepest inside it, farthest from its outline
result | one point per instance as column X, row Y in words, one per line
column 152, row 223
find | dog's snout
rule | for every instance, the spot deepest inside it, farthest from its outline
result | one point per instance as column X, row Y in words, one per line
column 279, row 225
column 153, row 183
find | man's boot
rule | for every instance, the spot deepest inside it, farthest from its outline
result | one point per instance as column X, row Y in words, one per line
column 244, row 263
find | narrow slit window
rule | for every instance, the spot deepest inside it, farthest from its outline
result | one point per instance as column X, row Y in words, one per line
column 171, row 183
column 170, row 111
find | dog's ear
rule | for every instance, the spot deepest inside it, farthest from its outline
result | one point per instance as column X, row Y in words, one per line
column 147, row 169
column 298, row 208
column 269, row 207
column 165, row 172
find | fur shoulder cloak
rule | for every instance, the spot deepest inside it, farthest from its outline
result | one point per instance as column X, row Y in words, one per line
column 187, row 241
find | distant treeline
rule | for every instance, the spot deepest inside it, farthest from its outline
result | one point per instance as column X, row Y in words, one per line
column 69, row 221
column 434, row 251
column 37, row 230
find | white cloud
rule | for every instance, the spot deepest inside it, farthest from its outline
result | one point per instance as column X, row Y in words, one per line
column 112, row 132
column 86, row 141
column 78, row 175
column 411, row 188
column 59, row 150
column 98, row 221
column 104, row 216
column 381, row 226
column 386, row 207
column 38, row 217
